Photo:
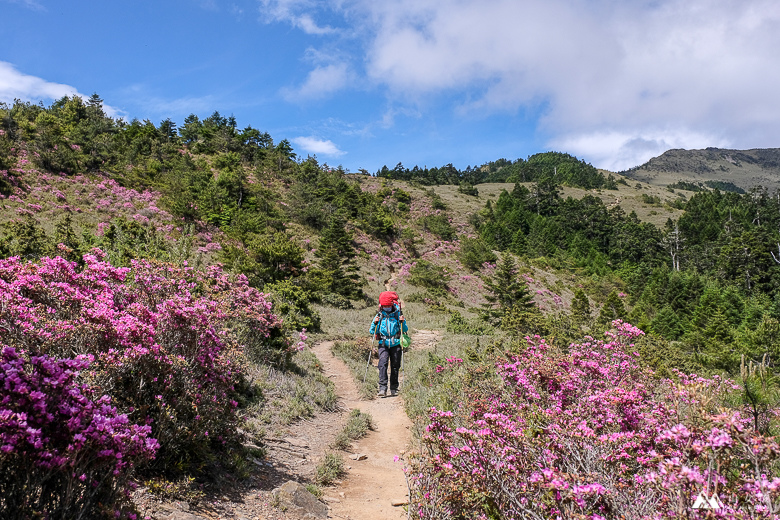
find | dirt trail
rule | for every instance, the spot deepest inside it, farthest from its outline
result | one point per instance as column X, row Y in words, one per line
column 373, row 484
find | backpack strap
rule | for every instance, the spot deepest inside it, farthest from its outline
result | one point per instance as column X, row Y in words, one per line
column 395, row 314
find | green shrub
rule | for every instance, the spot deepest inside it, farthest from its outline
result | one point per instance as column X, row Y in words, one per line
column 329, row 470
column 357, row 426
column 436, row 202
column 402, row 196
column 291, row 303
column 336, row 300
column 650, row 199
column 439, row 225
column 457, row 324
column 468, row 189
column 425, row 274
column 474, row 252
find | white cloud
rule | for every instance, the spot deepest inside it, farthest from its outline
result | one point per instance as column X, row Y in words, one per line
column 298, row 13
column 618, row 151
column 318, row 146
column 603, row 73
column 17, row 85
column 320, row 82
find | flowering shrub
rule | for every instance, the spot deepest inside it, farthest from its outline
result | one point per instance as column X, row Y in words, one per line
column 592, row 434
column 166, row 341
column 63, row 454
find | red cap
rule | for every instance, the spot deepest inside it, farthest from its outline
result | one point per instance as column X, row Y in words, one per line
column 388, row 298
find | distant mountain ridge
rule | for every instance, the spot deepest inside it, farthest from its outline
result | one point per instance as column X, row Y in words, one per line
column 744, row 168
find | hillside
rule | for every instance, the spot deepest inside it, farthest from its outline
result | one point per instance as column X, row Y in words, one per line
column 181, row 309
column 744, row 168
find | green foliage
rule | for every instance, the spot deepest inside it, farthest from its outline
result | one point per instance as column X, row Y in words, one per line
column 436, row 200
column 667, row 324
column 24, row 238
column 439, row 225
column 506, row 290
column 457, row 324
column 291, row 303
column 559, row 167
column 125, row 240
column 653, row 200
column 330, row 469
column 358, row 426
column 520, row 320
column 562, row 167
column 468, row 189
column 613, row 309
column 265, row 258
column 426, row 274
column 724, row 186
column 336, row 254
column 760, row 394
column 685, row 185
column 474, row 252
column 335, row 300
column 402, row 196
column 580, row 307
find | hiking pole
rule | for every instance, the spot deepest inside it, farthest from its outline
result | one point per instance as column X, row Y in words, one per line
column 403, row 374
column 373, row 337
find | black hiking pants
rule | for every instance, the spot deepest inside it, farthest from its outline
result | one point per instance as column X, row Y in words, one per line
column 393, row 355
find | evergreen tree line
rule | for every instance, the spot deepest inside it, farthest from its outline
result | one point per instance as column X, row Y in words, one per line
column 707, row 284
column 557, row 167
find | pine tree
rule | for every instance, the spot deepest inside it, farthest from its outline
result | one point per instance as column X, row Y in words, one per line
column 65, row 235
column 336, row 254
column 580, row 307
column 506, row 291
column 667, row 323
column 613, row 309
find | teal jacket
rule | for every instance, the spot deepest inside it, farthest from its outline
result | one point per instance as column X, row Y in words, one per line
column 390, row 327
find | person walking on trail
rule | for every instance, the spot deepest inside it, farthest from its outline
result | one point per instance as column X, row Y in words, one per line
column 387, row 327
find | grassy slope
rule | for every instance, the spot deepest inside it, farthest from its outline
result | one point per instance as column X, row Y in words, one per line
column 93, row 200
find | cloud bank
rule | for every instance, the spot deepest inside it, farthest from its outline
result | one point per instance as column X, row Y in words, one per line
column 615, row 82
column 17, row 85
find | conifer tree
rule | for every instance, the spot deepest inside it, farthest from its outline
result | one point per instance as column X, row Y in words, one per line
column 506, row 291
column 667, row 323
column 580, row 307
column 613, row 309
column 65, row 235
column 336, row 254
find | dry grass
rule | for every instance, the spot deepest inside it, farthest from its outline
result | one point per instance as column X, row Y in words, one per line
column 289, row 395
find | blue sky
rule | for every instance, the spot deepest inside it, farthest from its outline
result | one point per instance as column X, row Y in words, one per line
column 363, row 83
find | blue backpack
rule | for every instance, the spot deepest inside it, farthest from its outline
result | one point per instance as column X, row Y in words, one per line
column 389, row 329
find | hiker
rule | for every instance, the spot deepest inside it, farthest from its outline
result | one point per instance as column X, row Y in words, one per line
column 387, row 327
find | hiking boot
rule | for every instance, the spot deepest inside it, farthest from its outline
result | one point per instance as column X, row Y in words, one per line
column 382, row 393
column 393, row 393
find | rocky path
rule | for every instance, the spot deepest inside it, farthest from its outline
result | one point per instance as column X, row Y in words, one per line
column 374, row 487
column 374, row 484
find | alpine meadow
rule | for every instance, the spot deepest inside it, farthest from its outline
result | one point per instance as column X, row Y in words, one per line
column 185, row 307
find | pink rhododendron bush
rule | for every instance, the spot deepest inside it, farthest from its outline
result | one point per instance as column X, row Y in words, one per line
column 589, row 433
column 62, row 452
column 151, row 355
